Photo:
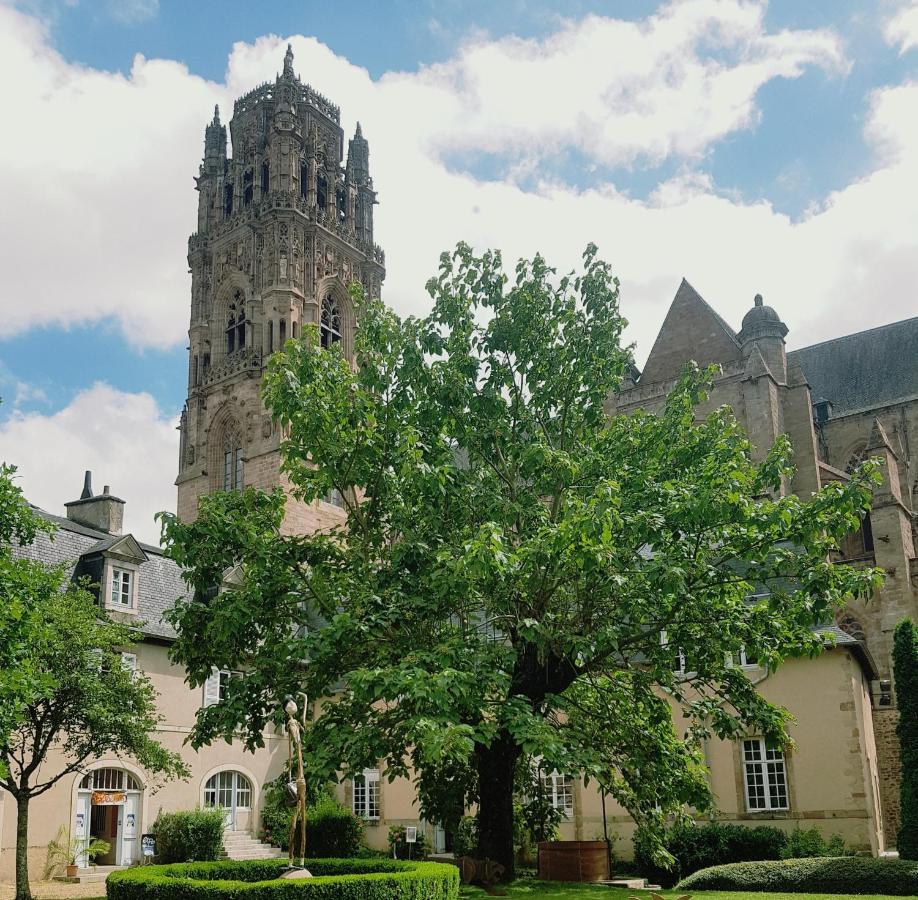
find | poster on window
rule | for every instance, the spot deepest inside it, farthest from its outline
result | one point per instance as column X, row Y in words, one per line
column 108, row 798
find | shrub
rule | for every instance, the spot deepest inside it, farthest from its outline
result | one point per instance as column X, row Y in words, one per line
column 699, row 846
column 278, row 808
column 188, row 835
column 808, row 843
column 333, row 831
column 905, row 667
column 336, row 879
column 839, row 875
column 465, row 843
column 400, row 845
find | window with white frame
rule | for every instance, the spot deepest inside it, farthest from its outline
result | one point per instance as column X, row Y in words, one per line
column 122, row 588
column 765, row 776
column 229, row 790
column 365, row 802
column 216, row 685
column 741, row 658
column 678, row 655
column 559, row 789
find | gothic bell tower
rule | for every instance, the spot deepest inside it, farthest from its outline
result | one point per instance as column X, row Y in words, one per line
column 285, row 224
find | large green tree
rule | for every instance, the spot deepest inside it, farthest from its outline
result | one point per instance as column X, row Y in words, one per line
column 512, row 556
column 65, row 695
column 905, row 668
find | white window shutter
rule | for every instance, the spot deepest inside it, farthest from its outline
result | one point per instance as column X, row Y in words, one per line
column 129, row 663
column 212, row 688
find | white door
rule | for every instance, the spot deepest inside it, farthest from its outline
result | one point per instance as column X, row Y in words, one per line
column 129, row 829
column 439, row 839
column 81, row 823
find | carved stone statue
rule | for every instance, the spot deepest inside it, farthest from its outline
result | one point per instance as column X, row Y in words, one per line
column 295, row 751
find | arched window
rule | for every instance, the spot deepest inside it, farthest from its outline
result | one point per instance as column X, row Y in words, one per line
column 339, row 201
column 321, row 191
column 856, row 458
column 304, row 180
column 330, row 324
column 265, row 179
column 109, row 780
column 270, row 337
column 283, row 332
column 293, row 330
column 235, row 324
column 228, row 790
column 227, row 201
column 232, row 461
column 248, row 187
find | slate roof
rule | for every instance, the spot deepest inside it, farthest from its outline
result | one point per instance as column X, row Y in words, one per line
column 865, row 370
column 159, row 583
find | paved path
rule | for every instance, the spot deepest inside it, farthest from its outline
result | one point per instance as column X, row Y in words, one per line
column 55, row 890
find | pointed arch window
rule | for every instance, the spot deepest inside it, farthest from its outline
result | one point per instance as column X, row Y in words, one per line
column 248, row 187
column 235, row 324
column 321, row 191
column 233, row 462
column 265, row 179
column 330, row 324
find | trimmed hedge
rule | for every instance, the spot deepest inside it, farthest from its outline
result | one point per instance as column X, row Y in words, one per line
column 825, row 875
column 188, row 834
column 335, row 879
column 697, row 847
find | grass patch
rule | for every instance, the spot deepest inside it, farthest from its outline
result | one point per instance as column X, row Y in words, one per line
column 547, row 890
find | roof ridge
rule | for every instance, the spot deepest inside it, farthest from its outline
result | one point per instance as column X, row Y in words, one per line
column 845, row 337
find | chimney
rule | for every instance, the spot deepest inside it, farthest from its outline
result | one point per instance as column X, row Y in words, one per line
column 104, row 512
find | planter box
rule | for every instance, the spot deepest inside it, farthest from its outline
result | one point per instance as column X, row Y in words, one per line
column 573, row 861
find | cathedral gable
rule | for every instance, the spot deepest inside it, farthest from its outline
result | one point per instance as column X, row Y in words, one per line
column 690, row 331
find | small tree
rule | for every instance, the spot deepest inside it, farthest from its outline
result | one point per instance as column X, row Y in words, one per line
column 63, row 686
column 905, row 667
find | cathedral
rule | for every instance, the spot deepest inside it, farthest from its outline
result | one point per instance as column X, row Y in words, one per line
column 285, row 224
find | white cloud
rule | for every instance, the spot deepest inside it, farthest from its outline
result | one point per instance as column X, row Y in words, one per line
column 98, row 193
column 125, row 439
column 133, row 12
column 902, row 29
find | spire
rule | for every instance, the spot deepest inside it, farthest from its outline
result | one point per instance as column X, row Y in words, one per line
column 288, row 61
column 216, row 120
column 358, row 133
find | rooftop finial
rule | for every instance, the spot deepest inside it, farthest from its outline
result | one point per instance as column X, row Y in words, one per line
column 758, row 300
column 288, row 60
column 216, row 114
column 359, row 132
column 87, row 486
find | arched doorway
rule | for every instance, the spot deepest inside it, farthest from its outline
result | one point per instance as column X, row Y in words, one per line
column 108, row 807
column 230, row 791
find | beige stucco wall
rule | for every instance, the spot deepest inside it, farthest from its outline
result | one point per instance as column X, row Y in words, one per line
column 178, row 704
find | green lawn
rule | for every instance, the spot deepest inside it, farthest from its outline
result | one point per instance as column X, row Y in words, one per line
column 555, row 891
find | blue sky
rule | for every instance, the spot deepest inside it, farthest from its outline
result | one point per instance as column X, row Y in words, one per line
column 748, row 146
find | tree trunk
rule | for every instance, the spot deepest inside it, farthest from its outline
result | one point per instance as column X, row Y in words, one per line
column 22, row 848
column 496, row 765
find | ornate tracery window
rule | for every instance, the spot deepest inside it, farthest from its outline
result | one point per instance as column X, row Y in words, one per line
column 232, row 461
column 330, row 324
column 235, row 324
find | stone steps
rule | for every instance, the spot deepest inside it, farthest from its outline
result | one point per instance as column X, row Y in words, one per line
column 241, row 845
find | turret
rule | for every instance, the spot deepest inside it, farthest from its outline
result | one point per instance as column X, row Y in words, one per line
column 764, row 331
column 214, row 146
column 359, row 186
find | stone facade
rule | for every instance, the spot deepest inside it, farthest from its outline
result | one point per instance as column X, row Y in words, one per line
column 285, row 225
column 839, row 402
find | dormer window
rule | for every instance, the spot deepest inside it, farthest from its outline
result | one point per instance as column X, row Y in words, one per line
column 330, row 325
column 122, row 588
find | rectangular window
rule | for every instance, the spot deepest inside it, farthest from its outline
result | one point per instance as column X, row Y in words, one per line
column 560, row 790
column 366, row 794
column 121, row 588
column 678, row 655
column 216, row 684
column 765, row 776
column 238, row 481
column 334, row 498
column 741, row 658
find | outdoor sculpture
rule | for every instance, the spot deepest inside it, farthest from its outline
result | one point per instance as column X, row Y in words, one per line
column 295, row 747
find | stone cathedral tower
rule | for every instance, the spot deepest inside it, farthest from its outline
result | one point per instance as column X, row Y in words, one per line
column 284, row 225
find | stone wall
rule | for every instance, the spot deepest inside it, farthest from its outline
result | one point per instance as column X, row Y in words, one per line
column 890, row 765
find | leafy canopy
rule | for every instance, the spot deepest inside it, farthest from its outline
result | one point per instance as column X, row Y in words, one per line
column 512, row 553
